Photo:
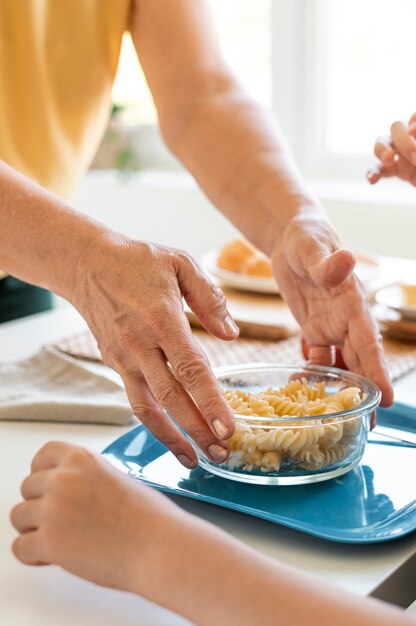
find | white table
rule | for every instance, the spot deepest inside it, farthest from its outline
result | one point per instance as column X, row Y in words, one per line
column 51, row 597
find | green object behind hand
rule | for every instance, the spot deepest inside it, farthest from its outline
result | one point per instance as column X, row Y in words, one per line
column 18, row 299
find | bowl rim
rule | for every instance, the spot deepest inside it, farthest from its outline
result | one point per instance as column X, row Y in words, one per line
column 370, row 403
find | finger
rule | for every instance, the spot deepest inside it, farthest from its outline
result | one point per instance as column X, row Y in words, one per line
column 192, row 370
column 363, row 353
column 50, row 455
column 315, row 254
column 373, row 175
column 35, row 484
column 26, row 516
column 378, row 171
column 403, row 142
column 400, row 168
column 332, row 270
column 412, row 119
column 205, row 299
column 172, row 396
column 153, row 417
column 27, row 548
column 386, row 153
column 384, row 150
column 412, row 126
column 321, row 355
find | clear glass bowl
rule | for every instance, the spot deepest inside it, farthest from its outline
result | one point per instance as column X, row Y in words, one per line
column 273, row 450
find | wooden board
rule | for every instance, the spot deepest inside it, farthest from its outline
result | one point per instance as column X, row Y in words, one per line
column 258, row 316
column 393, row 325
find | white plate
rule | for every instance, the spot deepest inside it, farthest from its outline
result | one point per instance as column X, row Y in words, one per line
column 237, row 280
column 394, row 297
column 367, row 269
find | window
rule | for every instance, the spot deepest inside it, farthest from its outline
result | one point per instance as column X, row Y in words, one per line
column 341, row 74
column 370, row 52
column 130, row 89
column 245, row 36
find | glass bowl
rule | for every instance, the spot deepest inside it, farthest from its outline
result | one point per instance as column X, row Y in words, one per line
column 271, row 446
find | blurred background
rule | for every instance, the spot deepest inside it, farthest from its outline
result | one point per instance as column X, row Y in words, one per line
column 335, row 73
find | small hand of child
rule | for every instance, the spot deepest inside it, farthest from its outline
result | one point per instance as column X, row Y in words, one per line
column 396, row 153
column 84, row 515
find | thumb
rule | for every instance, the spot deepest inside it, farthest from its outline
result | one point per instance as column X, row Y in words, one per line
column 205, row 299
column 313, row 252
column 331, row 270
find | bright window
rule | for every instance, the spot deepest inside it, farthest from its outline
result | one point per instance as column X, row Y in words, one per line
column 130, row 88
column 245, row 34
column 370, row 54
column 342, row 73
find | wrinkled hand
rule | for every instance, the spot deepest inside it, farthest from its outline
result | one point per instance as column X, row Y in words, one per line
column 317, row 281
column 84, row 515
column 130, row 293
column 396, row 153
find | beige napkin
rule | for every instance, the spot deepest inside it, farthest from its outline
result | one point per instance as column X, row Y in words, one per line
column 52, row 386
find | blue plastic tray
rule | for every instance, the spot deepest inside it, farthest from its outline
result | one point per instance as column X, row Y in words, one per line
column 374, row 502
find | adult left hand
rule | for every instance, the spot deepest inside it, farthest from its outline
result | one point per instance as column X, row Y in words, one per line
column 317, row 280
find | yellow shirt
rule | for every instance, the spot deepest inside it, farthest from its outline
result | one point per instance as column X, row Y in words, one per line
column 58, row 59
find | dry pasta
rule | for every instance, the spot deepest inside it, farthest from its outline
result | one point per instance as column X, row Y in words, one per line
column 312, row 444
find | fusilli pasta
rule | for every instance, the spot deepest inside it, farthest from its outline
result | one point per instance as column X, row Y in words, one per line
column 311, row 443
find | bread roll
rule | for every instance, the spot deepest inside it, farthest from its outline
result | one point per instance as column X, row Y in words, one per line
column 234, row 254
column 258, row 265
column 240, row 256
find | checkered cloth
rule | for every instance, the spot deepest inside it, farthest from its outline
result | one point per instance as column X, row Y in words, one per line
column 400, row 356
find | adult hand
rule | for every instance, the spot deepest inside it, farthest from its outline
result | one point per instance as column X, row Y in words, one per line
column 317, row 281
column 130, row 292
column 84, row 515
column 396, row 153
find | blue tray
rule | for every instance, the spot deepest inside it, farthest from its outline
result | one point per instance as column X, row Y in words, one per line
column 374, row 502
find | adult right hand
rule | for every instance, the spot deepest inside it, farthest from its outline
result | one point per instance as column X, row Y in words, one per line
column 130, row 293
column 316, row 279
column 396, row 153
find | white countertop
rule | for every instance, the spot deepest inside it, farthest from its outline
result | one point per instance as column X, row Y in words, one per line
column 51, row 597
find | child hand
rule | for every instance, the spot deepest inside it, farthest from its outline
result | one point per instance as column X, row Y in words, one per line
column 84, row 515
column 396, row 153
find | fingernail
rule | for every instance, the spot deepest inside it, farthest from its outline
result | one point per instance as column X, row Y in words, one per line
column 371, row 174
column 218, row 453
column 220, row 428
column 230, row 326
column 413, row 158
column 185, row 460
column 386, row 155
